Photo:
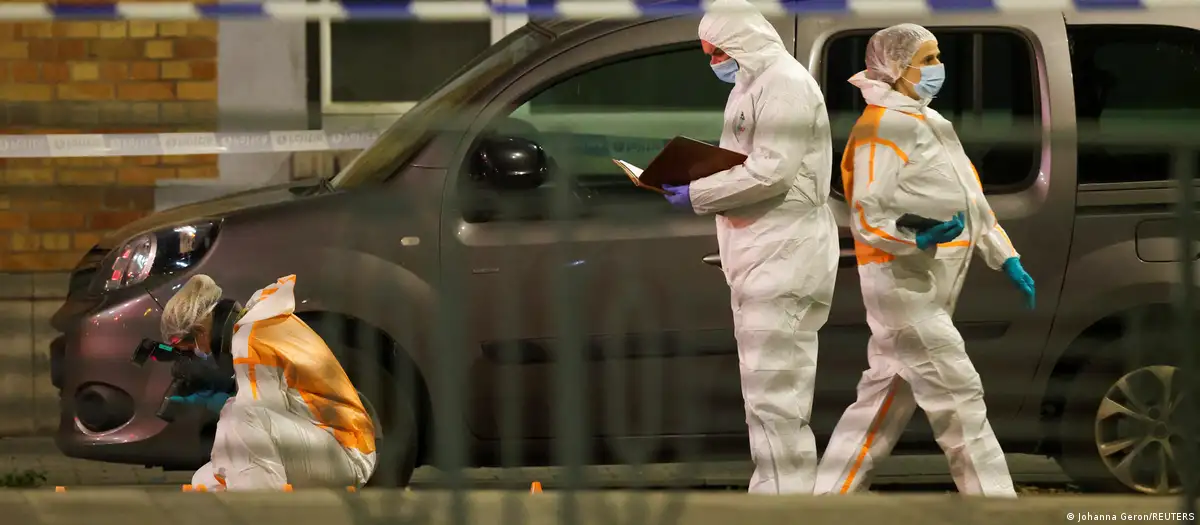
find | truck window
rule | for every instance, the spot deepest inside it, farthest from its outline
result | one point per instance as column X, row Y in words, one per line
column 999, row 92
column 674, row 79
column 1127, row 76
column 626, row 108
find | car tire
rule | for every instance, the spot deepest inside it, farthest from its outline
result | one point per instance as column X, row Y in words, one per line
column 394, row 406
column 1113, row 432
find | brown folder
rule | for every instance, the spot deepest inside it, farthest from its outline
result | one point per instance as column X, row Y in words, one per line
column 682, row 161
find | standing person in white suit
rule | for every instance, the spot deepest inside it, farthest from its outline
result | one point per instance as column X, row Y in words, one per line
column 777, row 237
column 905, row 158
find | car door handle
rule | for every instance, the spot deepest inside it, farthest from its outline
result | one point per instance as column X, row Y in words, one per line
column 713, row 259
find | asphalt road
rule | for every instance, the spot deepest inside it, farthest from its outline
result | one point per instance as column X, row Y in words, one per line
column 898, row 474
column 925, row 473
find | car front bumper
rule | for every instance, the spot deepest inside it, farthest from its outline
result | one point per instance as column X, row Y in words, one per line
column 108, row 404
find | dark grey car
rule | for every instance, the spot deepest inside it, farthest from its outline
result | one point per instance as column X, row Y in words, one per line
column 617, row 310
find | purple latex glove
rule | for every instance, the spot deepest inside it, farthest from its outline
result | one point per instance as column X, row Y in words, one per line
column 679, row 196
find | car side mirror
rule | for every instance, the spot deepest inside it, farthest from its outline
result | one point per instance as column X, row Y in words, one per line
column 510, row 163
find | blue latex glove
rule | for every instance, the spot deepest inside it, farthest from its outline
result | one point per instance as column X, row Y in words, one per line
column 213, row 401
column 679, row 196
column 1020, row 278
column 944, row 232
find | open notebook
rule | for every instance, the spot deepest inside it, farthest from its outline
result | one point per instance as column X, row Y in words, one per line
column 635, row 175
column 682, row 161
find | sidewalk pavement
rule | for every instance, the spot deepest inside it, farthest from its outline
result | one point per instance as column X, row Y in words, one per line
column 434, row 507
column 18, row 455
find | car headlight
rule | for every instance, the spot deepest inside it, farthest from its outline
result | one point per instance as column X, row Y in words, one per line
column 163, row 252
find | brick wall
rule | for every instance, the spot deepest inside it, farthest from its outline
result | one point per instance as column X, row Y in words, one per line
column 96, row 77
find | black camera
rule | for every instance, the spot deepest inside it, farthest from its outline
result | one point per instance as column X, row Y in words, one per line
column 151, row 350
column 192, row 372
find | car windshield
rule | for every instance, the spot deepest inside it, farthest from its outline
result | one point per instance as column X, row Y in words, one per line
column 411, row 130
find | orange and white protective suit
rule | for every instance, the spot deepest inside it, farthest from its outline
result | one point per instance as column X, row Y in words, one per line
column 296, row 418
column 904, row 157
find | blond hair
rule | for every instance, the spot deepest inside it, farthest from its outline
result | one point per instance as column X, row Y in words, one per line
column 189, row 307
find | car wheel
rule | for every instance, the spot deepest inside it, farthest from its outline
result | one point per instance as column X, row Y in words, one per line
column 1122, row 424
column 392, row 407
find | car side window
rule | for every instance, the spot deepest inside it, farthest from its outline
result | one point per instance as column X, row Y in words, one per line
column 625, row 108
column 990, row 81
column 1132, row 74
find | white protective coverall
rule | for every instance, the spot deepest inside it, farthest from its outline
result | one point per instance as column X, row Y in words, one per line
column 777, row 239
column 903, row 157
column 296, row 418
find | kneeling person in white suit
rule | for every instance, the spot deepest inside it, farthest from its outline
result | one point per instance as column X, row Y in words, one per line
column 296, row 419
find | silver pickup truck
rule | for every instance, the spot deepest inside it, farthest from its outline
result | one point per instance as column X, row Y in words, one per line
column 437, row 263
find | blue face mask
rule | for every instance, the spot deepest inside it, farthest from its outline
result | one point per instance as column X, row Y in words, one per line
column 932, row 78
column 727, row 70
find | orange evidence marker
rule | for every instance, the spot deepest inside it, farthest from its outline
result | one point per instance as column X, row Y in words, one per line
column 60, row 489
column 535, row 488
column 287, row 488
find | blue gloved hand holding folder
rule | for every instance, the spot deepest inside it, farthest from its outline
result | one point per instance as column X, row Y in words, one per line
column 679, row 196
column 682, row 160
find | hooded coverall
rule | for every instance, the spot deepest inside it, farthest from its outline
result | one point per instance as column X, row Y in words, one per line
column 296, row 418
column 777, row 238
column 903, row 157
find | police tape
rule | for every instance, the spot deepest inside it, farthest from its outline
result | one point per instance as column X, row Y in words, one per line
column 131, row 144
column 1173, row 134
column 448, row 10
column 138, row 144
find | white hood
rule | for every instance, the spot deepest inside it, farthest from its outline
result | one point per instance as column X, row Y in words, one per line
column 879, row 93
column 744, row 35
